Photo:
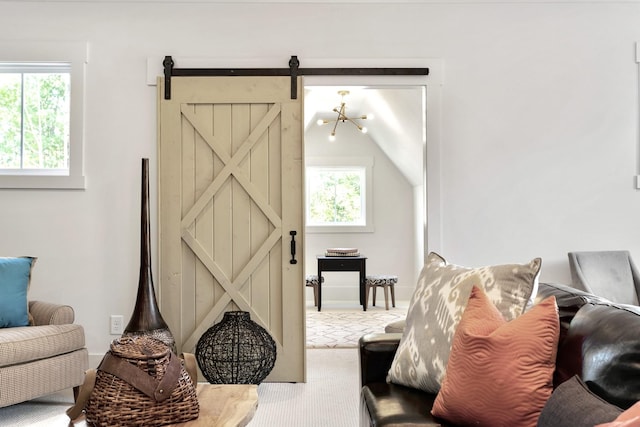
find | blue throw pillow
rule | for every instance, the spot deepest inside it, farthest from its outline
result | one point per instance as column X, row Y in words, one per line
column 15, row 275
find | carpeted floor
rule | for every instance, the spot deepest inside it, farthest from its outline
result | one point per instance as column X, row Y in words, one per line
column 47, row 411
column 342, row 327
column 329, row 398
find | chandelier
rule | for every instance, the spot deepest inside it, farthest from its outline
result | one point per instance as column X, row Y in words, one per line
column 342, row 117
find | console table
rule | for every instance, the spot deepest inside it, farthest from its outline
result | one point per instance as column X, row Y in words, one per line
column 343, row 263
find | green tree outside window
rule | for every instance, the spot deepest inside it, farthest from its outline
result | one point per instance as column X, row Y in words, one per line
column 335, row 196
column 34, row 120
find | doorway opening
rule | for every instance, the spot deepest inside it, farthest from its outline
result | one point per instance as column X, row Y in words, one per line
column 395, row 145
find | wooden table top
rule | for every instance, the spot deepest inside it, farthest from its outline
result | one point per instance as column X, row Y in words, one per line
column 225, row 405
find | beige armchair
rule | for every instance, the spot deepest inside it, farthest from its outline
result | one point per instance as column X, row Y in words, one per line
column 44, row 358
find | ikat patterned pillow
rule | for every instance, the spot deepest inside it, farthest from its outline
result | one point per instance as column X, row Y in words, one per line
column 436, row 308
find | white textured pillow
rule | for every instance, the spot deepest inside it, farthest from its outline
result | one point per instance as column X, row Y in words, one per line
column 436, row 308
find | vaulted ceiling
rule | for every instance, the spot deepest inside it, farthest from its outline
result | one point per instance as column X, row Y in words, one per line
column 397, row 125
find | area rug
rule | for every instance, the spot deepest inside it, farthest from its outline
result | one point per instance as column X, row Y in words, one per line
column 342, row 328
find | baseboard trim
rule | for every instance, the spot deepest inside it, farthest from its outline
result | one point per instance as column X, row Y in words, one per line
column 348, row 292
column 95, row 359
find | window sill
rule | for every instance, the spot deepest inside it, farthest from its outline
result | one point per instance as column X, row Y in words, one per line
column 336, row 229
column 42, row 182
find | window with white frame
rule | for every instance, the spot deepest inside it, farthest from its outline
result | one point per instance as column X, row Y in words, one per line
column 338, row 195
column 41, row 115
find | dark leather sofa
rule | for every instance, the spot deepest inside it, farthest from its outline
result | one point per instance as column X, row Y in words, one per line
column 599, row 341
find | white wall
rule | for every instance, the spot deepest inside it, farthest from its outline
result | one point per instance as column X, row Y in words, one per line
column 539, row 126
column 390, row 247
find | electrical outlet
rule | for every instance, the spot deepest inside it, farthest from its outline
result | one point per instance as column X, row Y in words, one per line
column 116, row 325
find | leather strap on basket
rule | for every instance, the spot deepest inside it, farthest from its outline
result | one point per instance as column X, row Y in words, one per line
column 157, row 390
column 174, row 366
column 83, row 396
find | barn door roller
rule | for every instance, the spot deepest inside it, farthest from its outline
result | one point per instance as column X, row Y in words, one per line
column 294, row 71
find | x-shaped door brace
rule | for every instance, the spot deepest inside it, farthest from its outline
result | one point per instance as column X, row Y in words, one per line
column 231, row 168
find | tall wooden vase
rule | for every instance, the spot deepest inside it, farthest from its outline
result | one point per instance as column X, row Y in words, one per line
column 146, row 318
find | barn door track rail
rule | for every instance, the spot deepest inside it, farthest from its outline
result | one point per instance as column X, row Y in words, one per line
column 294, row 71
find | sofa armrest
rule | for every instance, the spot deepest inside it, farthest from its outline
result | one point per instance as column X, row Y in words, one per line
column 376, row 354
column 46, row 313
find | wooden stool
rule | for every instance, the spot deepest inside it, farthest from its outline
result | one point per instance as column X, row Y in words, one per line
column 312, row 281
column 385, row 281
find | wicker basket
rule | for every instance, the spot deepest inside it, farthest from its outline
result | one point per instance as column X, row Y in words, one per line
column 115, row 402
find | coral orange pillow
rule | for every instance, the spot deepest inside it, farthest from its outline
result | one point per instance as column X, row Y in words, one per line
column 499, row 373
column 629, row 418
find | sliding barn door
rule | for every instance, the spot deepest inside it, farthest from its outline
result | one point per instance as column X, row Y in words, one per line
column 230, row 178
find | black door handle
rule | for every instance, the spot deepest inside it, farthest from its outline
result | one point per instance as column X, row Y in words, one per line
column 293, row 247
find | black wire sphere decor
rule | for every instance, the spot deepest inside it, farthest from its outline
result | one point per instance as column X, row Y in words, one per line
column 236, row 351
